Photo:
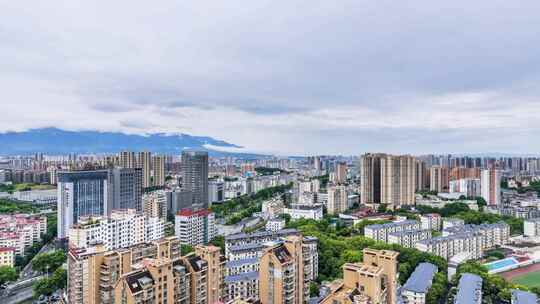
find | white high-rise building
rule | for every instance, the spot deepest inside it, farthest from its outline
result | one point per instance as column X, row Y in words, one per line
column 195, row 227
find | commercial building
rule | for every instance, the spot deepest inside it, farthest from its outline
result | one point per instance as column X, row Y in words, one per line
column 82, row 193
column 337, row 200
column 469, row 289
column 408, row 239
column 431, row 221
column 195, row 176
column 387, row 179
column 417, row 286
column 491, row 186
column 372, row 281
column 121, row 229
column 380, row 232
column 195, row 227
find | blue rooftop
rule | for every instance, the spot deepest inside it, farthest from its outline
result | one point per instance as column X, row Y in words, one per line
column 523, row 297
column 469, row 289
column 248, row 276
column 421, row 278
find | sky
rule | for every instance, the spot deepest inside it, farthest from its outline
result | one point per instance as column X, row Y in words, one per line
column 285, row 77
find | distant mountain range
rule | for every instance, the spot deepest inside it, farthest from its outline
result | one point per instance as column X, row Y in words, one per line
column 57, row 141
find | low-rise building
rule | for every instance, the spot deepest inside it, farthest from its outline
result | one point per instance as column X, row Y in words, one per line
column 380, row 232
column 469, row 289
column 531, row 227
column 495, row 234
column 408, row 239
column 431, row 221
column 275, row 224
column 523, row 297
column 448, row 246
column 417, row 286
column 7, row 256
column 313, row 212
column 452, row 222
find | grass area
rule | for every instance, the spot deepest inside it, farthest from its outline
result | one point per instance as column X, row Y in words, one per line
column 24, row 187
column 531, row 279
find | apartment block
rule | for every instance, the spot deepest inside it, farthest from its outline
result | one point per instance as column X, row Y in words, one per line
column 337, row 199
column 195, row 227
column 531, row 227
column 431, row 221
column 496, row 234
column 491, row 186
column 417, row 286
column 449, row 246
column 20, row 231
column 121, row 229
column 470, row 187
column 216, row 267
column 7, row 256
column 373, row 281
column 297, row 211
column 379, row 232
column 408, row 239
column 275, row 224
column 155, row 204
column 439, row 179
column 256, row 238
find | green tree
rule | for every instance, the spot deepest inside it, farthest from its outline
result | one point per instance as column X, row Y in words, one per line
column 47, row 262
column 7, row 274
column 382, row 208
column 185, row 249
column 47, row 286
column 219, row 241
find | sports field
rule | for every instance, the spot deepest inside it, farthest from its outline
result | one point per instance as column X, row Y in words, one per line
column 528, row 276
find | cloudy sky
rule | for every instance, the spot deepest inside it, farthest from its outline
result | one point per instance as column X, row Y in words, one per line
column 299, row 77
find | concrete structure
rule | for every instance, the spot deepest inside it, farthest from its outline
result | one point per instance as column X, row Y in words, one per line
column 256, row 238
column 158, row 171
column 531, row 227
column 380, row 232
column 496, row 234
column 127, row 185
column 275, row 224
column 155, row 204
column 337, row 200
column 387, row 179
column 283, row 277
column 372, row 281
column 121, row 229
column 408, row 239
column 195, row 227
column 215, row 191
column 298, row 211
column 469, row 289
column 7, row 256
column 491, row 186
column 144, row 161
column 127, row 159
column 195, row 176
column 216, row 266
column 417, row 286
column 431, row 221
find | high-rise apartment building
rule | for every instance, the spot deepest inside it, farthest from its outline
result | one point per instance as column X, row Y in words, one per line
column 216, row 265
column 340, row 173
column 195, row 227
column 421, row 176
column 283, row 275
column 491, row 186
column 82, row 193
column 439, row 179
column 195, row 177
column 127, row 159
column 372, row 281
column 158, row 170
column 155, row 204
column 337, row 199
column 144, row 161
column 387, row 179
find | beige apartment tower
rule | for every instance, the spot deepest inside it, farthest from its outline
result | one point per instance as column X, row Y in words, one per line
column 282, row 278
column 439, row 179
column 144, row 161
column 127, row 159
column 158, row 169
column 216, row 266
column 387, row 179
column 374, row 281
column 337, row 199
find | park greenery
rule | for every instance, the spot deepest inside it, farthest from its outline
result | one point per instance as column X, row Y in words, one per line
column 533, row 186
column 9, row 207
column 339, row 244
column 24, row 187
column 7, row 274
column 234, row 210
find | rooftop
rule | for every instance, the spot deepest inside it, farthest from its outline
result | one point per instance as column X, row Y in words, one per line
column 421, row 278
column 469, row 289
column 523, row 297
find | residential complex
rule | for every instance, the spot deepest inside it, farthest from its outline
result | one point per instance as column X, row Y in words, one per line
column 408, row 238
column 337, row 199
column 372, row 281
column 21, row 231
column 380, row 232
column 431, row 221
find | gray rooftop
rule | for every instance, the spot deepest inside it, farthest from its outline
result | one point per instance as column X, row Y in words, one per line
column 421, row 278
column 242, row 235
column 237, row 263
column 248, row 276
column 392, row 224
column 469, row 285
column 523, row 297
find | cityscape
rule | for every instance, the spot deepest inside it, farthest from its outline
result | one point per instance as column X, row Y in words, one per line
column 270, row 152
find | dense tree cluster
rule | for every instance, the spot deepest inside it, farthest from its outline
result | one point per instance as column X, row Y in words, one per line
column 7, row 274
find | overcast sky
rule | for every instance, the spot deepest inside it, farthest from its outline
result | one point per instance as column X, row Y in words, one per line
column 289, row 77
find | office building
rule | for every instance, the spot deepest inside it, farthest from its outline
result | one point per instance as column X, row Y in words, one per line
column 417, row 286
column 337, row 199
column 123, row 228
column 195, row 227
column 195, row 177
column 144, row 161
column 158, row 171
column 387, row 179
column 491, row 186
column 82, row 193
column 372, row 281
column 469, row 289
column 127, row 185
column 215, row 191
